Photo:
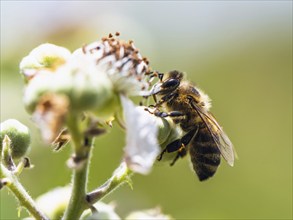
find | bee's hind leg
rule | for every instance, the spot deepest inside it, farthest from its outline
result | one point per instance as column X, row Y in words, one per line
column 172, row 147
column 179, row 145
column 181, row 153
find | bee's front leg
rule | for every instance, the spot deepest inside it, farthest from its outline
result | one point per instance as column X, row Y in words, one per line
column 168, row 114
column 162, row 114
column 165, row 99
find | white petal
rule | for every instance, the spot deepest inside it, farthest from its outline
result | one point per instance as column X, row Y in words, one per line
column 54, row 201
column 142, row 145
column 105, row 212
column 150, row 214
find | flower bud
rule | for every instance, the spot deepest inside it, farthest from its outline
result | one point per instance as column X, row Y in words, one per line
column 86, row 87
column 46, row 56
column 19, row 135
column 165, row 127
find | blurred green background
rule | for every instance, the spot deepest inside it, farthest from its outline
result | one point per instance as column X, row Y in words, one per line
column 239, row 52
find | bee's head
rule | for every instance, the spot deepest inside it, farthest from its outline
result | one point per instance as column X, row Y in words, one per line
column 174, row 74
column 169, row 83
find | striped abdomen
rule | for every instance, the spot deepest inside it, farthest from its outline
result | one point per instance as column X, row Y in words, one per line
column 204, row 153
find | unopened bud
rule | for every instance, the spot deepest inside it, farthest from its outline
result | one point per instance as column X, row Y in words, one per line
column 46, row 56
column 19, row 135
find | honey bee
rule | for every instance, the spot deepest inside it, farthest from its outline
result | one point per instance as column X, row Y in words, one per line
column 204, row 138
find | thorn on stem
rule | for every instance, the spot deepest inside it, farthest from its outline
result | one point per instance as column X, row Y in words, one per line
column 27, row 163
column 4, row 182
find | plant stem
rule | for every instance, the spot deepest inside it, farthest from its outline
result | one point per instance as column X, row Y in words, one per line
column 120, row 176
column 21, row 194
column 78, row 203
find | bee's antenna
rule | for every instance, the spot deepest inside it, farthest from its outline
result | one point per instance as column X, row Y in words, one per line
column 157, row 74
column 161, row 75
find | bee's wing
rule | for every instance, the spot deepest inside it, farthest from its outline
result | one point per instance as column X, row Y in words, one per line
column 224, row 144
column 220, row 138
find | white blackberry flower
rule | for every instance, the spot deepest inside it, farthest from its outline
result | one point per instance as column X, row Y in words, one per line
column 142, row 147
column 122, row 62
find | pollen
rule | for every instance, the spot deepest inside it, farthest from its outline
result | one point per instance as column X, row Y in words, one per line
column 121, row 59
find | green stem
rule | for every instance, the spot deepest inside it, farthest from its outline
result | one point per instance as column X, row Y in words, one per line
column 21, row 194
column 77, row 203
column 120, row 176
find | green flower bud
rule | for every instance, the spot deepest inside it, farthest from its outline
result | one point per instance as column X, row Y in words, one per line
column 45, row 56
column 165, row 128
column 19, row 135
column 85, row 85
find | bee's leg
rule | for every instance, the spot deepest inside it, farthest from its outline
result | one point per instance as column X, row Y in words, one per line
column 185, row 140
column 160, row 114
column 157, row 74
column 149, row 111
column 173, row 146
column 165, row 99
column 179, row 145
column 168, row 114
column 181, row 153
column 189, row 136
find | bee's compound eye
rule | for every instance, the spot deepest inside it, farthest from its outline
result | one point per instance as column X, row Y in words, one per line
column 170, row 83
